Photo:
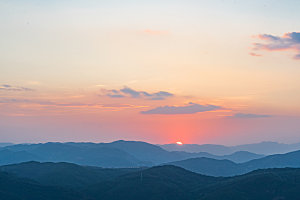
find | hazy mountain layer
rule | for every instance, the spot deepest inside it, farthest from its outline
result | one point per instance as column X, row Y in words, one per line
column 115, row 154
column 266, row 148
column 5, row 144
column 214, row 167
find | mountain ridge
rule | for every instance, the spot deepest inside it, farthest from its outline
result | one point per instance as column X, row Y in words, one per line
column 212, row 167
column 116, row 154
column 160, row 182
column 265, row 148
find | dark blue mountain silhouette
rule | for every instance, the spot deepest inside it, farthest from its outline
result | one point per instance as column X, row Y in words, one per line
column 64, row 181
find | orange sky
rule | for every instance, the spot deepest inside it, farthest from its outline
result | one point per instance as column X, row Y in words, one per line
column 215, row 71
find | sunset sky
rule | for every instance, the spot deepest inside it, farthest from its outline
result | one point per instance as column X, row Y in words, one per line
column 196, row 71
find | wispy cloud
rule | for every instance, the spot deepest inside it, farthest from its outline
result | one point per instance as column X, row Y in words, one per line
column 191, row 108
column 249, row 115
column 254, row 54
column 13, row 100
column 43, row 103
column 115, row 94
column 6, row 87
column 129, row 92
column 287, row 42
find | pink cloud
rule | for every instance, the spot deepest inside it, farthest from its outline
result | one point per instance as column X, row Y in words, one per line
column 254, row 54
column 287, row 42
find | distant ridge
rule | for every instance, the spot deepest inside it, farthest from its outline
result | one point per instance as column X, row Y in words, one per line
column 265, row 148
column 132, row 154
column 5, row 144
column 115, row 154
column 214, row 167
column 64, row 152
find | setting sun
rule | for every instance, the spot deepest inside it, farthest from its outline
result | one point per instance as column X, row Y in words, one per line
column 179, row 143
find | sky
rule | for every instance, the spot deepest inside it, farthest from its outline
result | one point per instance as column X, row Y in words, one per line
column 196, row 71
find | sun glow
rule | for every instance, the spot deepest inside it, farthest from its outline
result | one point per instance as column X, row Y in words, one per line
column 179, row 143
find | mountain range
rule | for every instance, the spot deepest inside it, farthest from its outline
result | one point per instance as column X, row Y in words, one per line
column 116, row 154
column 265, row 148
column 64, row 181
column 215, row 167
column 134, row 154
column 139, row 170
